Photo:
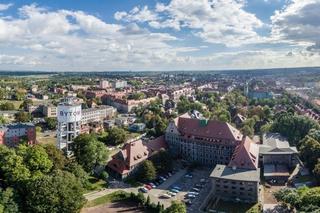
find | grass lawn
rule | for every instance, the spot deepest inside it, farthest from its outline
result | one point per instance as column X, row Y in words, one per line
column 232, row 207
column 42, row 139
column 113, row 197
column 96, row 184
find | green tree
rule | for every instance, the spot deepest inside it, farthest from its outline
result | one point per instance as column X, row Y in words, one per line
column 36, row 159
column 56, row 156
column 310, row 151
column 12, row 166
column 316, row 170
column 247, row 130
column 7, row 106
column 78, row 171
column 8, row 201
column 25, row 104
column 89, row 152
column 3, row 93
column 23, row 117
column 38, row 129
column 104, row 175
column 51, row 123
column 293, row 127
column 162, row 161
column 2, row 120
column 147, row 171
column 176, row 207
column 59, row 192
column 116, row 136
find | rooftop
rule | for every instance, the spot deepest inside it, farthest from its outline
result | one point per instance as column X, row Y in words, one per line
column 207, row 128
column 238, row 174
column 274, row 143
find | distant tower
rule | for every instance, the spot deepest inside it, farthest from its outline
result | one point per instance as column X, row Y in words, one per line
column 69, row 123
column 246, row 89
column 103, row 84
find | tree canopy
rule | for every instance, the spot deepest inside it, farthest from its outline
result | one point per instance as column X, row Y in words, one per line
column 59, row 192
column 89, row 152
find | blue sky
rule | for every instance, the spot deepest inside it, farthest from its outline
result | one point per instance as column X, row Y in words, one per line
column 107, row 35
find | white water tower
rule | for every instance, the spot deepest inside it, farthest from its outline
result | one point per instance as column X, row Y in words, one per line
column 69, row 123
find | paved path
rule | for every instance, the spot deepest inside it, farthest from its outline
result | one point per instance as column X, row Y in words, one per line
column 96, row 194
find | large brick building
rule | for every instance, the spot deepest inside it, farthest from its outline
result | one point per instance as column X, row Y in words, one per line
column 219, row 145
column 207, row 142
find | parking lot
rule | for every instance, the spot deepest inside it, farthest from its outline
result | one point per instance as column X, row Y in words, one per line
column 189, row 187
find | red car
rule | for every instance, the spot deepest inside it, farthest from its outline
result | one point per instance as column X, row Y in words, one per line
column 148, row 186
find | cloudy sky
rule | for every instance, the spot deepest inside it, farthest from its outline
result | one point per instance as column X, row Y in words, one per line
column 108, row 35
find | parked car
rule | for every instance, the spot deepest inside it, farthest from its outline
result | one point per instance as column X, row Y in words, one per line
column 188, row 175
column 177, row 188
column 143, row 189
column 198, row 185
column 193, row 193
column 165, row 196
column 191, row 196
column 152, row 185
column 163, row 178
column 148, row 187
column 172, row 193
column 195, row 189
column 174, row 190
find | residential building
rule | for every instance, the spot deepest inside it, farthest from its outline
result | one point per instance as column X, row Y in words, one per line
column 12, row 134
column 103, row 84
column 98, row 113
column 119, row 84
column 95, row 93
column 137, row 127
column 132, row 154
column 49, row 111
column 277, row 157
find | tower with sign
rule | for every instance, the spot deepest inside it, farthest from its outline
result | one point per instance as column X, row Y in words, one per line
column 69, row 123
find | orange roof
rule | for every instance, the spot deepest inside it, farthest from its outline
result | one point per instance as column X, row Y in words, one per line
column 210, row 129
column 133, row 153
column 246, row 155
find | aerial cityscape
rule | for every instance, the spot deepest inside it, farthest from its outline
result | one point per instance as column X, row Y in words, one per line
column 160, row 106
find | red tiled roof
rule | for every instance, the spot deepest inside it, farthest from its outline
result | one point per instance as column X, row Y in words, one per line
column 157, row 144
column 246, row 155
column 210, row 129
column 134, row 153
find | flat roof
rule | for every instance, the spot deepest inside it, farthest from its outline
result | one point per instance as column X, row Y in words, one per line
column 228, row 173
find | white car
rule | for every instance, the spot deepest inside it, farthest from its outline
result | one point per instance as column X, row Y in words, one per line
column 166, row 196
column 172, row 193
column 193, row 193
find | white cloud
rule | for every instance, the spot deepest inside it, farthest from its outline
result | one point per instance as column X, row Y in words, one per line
column 4, row 7
column 137, row 14
column 41, row 39
column 215, row 21
column 298, row 23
